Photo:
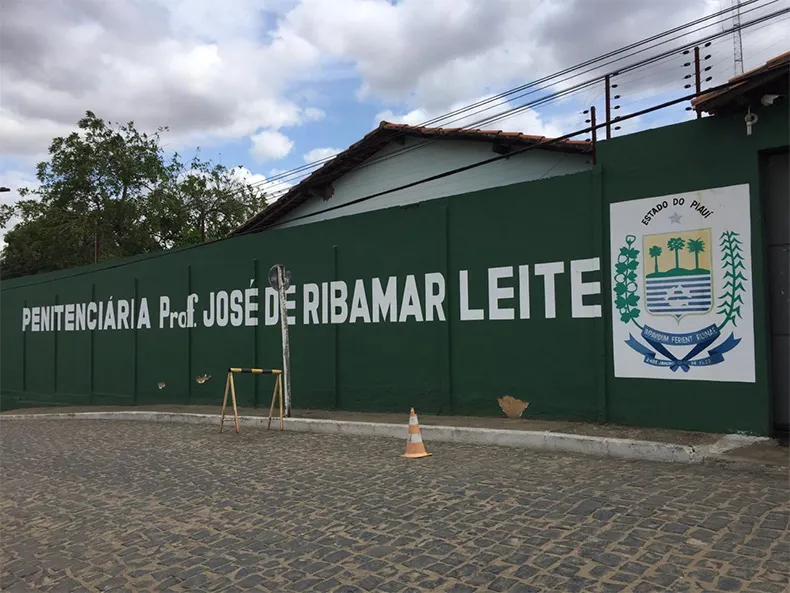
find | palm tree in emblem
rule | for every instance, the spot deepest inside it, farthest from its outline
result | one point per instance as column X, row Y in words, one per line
column 696, row 246
column 655, row 252
column 676, row 244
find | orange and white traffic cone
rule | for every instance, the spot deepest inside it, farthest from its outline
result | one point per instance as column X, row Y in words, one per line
column 414, row 447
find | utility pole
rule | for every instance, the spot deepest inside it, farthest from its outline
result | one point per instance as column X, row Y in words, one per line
column 737, row 39
column 697, row 77
column 594, row 135
column 280, row 280
column 608, row 88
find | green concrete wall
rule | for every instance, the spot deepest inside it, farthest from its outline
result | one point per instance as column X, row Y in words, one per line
column 712, row 152
column 561, row 364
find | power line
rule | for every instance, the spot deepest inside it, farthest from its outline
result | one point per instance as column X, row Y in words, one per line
column 549, row 98
column 512, row 153
column 491, row 119
column 545, row 100
column 149, row 257
column 591, row 61
column 542, row 80
column 513, row 111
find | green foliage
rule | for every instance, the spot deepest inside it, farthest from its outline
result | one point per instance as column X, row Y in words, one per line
column 676, row 244
column 732, row 262
column 625, row 287
column 655, row 252
column 200, row 202
column 696, row 246
column 107, row 191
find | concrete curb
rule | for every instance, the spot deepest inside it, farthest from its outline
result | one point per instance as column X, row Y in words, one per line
column 524, row 439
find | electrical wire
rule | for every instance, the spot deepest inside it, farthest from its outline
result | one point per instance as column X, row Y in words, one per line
column 640, row 98
column 508, row 113
column 541, row 144
column 544, row 79
column 555, row 96
column 514, row 152
column 514, row 111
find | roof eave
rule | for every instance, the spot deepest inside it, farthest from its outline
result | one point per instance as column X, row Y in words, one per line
column 740, row 89
column 374, row 141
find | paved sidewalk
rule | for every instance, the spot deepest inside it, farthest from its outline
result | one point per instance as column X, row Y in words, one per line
column 140, row 506
column 768, row 452
column 565, row 427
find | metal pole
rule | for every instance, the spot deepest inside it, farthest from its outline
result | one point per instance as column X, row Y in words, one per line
column 594, row 133
column 737, row 38
column 697, row 76
column 608, row 83
column 286, row 346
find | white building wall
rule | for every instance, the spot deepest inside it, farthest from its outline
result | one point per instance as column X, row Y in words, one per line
column 424, row 159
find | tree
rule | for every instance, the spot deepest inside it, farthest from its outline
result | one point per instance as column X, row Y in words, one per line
column 107, row 191
column 696, row 246
column 676, row 244
column 201, row 202
column 655, row 253
column 94, row 184
column 41, row 239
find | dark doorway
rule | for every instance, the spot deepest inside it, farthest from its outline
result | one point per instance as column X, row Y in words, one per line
column 776, row 204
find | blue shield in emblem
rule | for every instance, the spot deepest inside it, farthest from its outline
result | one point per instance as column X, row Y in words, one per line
column 680, row 295
column 678, row 279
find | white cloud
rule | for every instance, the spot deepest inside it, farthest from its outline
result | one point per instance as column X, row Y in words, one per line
column 251, row 68
column 244, row 175
column 318, row 154
column 208, row 72
column 432, row 53
column 313, row 114
column 273, row 188
column 270, row 145
column 526, row 122
column 28, row 139
column 214, row 72
column 14, row 180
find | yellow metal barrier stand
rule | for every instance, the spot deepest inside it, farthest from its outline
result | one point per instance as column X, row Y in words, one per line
column 229, row 386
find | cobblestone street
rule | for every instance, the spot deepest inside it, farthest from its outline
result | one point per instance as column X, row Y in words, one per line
column 131, row 506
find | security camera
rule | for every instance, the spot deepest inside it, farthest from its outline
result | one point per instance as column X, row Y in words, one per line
column 769, row 100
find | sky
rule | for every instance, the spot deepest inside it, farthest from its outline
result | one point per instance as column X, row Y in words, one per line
column 269, row 85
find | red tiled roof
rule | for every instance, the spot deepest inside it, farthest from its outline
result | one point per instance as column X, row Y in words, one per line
column 377, row 139
column 772, row 69
column 484, row 135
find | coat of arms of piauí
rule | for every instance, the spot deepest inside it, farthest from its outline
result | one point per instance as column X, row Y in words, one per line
column 678, row 281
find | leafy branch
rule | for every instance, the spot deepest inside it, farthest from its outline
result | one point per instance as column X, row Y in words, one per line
column 625, row 287
column 108, row 190
column 732, row 262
